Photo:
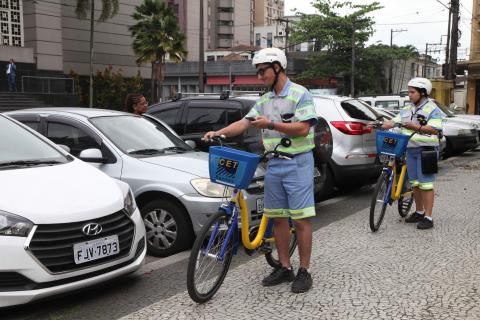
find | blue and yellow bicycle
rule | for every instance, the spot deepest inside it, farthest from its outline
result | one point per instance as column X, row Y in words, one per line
column 392, row 185
column 220, row 237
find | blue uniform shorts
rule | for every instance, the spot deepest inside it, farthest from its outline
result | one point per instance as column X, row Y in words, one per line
column 414, row 170
column 289, row 187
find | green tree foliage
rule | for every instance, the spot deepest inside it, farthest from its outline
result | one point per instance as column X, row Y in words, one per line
column 157, row 36
column 332, row 32
column 109, row 9
column 110, row 90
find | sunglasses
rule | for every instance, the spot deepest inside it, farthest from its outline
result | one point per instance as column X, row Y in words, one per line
column 261, row 71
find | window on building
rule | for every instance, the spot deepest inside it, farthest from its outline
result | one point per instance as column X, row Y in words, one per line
column 269, row 40
column 11, row 23
column 219, row 58
column 257, row 39
column 210, row 58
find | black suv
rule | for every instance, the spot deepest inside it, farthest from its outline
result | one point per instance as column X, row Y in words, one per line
column 190, row 117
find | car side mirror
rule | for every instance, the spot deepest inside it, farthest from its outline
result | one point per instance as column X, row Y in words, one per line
column 64, row 147
column 191, row 143
column 92, row 155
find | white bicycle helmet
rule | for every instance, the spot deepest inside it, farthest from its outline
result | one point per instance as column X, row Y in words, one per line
column 270, row 55
column 421, row 83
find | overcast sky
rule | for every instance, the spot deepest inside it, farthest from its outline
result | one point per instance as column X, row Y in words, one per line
column 425, row 20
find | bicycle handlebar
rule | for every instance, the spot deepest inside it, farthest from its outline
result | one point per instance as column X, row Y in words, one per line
column 266, row 155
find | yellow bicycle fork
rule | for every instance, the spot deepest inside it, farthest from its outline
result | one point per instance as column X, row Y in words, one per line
column 398, row 181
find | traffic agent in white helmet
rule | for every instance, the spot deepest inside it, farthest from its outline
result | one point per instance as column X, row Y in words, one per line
column 421, row 83
column 270, row 55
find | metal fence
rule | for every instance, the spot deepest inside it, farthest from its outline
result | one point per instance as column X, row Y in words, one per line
column 48, row 85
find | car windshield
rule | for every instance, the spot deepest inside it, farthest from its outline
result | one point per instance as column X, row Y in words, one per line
column 138, row 136
column 21, row 148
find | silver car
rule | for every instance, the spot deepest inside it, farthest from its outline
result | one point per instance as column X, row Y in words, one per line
column 169, row 179
column 354, row 157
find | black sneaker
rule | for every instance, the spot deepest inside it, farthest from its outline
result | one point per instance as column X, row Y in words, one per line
column 278, row 276
column 415, row 217
column 303, row 281
column 425, row 224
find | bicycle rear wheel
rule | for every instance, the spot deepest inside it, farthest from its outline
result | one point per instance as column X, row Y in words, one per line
column 205, row 273
column 378, row 205
column 272, row 256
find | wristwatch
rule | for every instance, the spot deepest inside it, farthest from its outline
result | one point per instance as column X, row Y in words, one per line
column 271, row 125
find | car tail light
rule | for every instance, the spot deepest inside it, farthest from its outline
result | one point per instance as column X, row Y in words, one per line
column 351, row 127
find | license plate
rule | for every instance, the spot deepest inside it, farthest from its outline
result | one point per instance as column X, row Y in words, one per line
column 260, row 205
column 95, row 249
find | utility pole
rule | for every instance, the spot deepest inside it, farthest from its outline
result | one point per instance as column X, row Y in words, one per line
column 92, row 24
column 447, row 51
column 201, row 58
column 352, row 76
column 390, row 74
column 455, row 9
column 287, row 32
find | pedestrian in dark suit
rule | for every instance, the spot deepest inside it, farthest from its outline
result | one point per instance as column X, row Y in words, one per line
column 11, row 74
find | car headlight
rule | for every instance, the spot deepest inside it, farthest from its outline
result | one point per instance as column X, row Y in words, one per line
column 13, row 225
column 210, row 189
column 129, row 203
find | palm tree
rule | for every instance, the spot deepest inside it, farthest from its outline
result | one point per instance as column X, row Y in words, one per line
column 109, row 10
column 157, row 36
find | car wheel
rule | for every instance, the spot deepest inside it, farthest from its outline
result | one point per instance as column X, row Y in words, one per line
column 168, row 230
column 323, row 184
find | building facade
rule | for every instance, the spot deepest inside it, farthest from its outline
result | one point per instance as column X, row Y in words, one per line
column 472, row 66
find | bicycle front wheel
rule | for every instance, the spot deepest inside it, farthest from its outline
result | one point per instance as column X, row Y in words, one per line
column 206, row 271
column 378, row 205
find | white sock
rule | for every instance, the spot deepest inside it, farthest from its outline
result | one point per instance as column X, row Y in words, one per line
column 421, row 213
column 429, row 218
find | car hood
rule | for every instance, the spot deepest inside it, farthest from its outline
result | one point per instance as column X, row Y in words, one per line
column 471, row 117
column 463, row 121
column 63, row 193
column 194, row 163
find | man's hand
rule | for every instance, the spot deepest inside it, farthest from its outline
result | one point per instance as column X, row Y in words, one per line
column 260, row 123
column 209, row 135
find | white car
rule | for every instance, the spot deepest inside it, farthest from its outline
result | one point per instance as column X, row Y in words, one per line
column 64, row 225
column 392, row 103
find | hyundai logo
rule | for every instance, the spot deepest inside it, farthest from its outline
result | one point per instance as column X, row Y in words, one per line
column 92, row 229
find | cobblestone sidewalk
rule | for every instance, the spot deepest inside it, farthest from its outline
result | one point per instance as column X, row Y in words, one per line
column 397, row 273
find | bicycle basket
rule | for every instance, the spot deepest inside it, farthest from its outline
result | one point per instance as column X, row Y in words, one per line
column 392, row 144
column 232, row 167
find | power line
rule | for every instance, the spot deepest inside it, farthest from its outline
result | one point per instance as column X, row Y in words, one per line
column 402, row 23
column 443, row 4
